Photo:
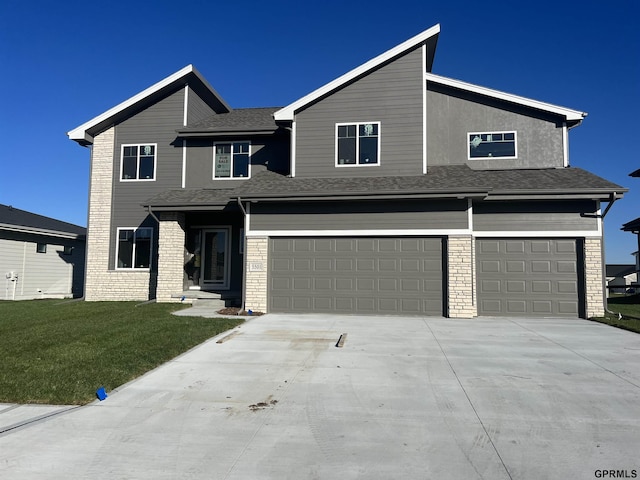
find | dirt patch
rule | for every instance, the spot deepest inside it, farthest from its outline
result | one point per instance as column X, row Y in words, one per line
column 239, row 312
column 262, row 405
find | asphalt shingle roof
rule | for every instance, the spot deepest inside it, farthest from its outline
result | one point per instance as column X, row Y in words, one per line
column 632, row 226
column 449, row 179
column 21, row 218
column 245, row 119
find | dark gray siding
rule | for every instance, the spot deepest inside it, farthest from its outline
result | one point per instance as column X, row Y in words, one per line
column 156, row 124
column 363, row 275
column 451, row 115
column 267, row 153
column 344, row 215
column 534, row 216
column 197, row 109
column 391, row 95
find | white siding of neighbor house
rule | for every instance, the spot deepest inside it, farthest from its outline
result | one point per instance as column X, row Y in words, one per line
column 40, row 275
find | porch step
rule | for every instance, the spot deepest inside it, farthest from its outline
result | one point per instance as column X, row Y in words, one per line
column 214, row 300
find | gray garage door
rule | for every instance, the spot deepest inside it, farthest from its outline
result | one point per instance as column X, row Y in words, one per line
column 537, row 277
column 391, row 276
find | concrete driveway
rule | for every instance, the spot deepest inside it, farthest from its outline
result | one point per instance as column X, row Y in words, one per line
column 403, row 398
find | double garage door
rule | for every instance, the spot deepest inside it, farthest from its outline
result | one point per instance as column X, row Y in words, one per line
column 405, row 276
column 366, row 275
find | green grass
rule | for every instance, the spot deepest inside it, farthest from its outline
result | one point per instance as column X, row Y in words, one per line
column 60, row 353
column 629, row 307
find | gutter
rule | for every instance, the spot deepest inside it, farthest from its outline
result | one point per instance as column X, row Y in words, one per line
column 244, row 257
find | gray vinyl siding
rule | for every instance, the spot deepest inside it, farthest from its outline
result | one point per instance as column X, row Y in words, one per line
column 155, row 124
column 266, row 154
column 391, row 95
column 534, row 216
column 452, row 115
column 41, row 274
column 197, row 108
column 350, row 216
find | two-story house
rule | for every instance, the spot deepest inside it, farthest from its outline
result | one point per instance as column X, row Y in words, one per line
column 390, row 190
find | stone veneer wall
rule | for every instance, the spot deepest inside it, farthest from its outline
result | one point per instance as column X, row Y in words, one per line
column 461, row 281
column 593, row 277
column 101, row 283
column 256, row 274
column 171, row 241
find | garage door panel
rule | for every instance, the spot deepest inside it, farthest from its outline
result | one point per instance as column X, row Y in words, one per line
column 527, row 277
column 363, row 275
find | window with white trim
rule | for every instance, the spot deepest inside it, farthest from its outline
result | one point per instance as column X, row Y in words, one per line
column 357, row 144
column 133, row 248
column 492, row 145
column 138, row 162
column 231, row 160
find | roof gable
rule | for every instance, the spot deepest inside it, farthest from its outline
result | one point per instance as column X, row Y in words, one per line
column 428, row 36
column 84, row 133
column 572, row 116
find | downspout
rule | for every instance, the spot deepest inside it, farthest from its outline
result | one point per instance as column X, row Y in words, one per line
column 244, row 256
column 612, row 199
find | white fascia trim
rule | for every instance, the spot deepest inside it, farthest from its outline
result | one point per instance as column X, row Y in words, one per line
column 424, row 111
column 539, row 234
column 288, row 112
column 184, row 162
column 565, row 144
column 80, row 133
column 293, row 149
column 359, row 233
column 38, row 231
column 569, row 114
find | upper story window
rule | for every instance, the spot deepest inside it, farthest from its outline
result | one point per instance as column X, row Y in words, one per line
column 357, row 144
column 138, row 162
column 492, row 145
column 231, row 160
column 133, row 249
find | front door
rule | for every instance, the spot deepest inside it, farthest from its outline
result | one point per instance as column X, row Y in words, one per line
column 215, row 258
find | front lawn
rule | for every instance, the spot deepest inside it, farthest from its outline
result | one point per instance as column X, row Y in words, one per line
column 57, row 352
column 629, row 307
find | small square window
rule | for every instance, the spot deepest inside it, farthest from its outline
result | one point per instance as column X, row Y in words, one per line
column 357, row 144
column 138, row 162
column 41, row 248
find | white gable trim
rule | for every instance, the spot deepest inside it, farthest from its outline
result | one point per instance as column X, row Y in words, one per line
column 570, row 115
column 288, row 112
column 80, row 133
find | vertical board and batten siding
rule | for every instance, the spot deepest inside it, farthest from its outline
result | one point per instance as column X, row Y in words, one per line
column 393, row 215
column 452, row 115
column 391, row 95
column 530, row 277
column 535, row 216
column 359, row 275
column 155, row 124
column 270, row 153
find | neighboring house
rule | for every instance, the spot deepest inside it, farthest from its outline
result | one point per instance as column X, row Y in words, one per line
column 620, row 277
column 634, row 227
column 390, row 190
column 40, row 257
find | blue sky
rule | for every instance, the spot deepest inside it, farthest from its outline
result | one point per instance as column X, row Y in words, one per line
column 63, row 63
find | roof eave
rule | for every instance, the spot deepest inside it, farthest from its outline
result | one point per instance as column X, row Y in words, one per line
column 327, row 196
column 287, row 113
column 40, row 231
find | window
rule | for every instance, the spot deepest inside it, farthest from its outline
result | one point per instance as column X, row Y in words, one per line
column 357, row 144
column 492, row 145
column 41, row 248
column 138, row 162
column 133, row 248
column 231, row 160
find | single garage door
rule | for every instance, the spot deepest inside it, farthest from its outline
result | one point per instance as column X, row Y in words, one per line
column 392, row 276
column 522, row 277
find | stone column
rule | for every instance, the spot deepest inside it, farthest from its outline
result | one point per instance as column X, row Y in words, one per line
column 594, row 285
column 461, row 291
column 171, row 241
column 256, row 275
